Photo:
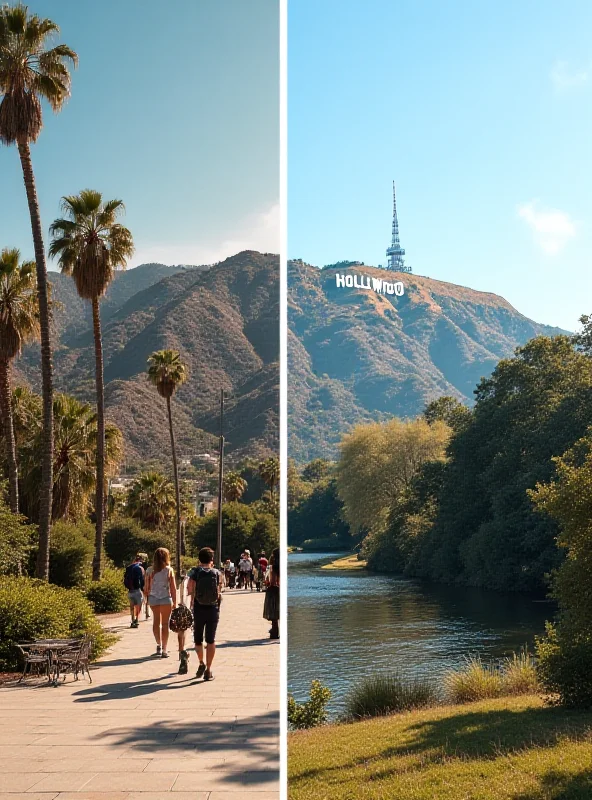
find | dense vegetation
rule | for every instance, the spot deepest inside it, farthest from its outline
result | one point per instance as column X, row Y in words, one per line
column 315, row 512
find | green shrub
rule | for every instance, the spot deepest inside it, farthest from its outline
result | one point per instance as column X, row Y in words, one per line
column 475, row 681
column 15, row 538
column 125, row 537
column 564, row 666
column 378, row 695
column 519, row 674
column 313, row 711
column 70, row 553
column 109, row 594
column 32, row 609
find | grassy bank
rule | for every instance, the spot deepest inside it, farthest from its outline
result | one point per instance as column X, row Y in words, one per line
column 347, row 562
column 504, row 749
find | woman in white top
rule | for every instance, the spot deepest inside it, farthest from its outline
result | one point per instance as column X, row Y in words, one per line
column 162, row 598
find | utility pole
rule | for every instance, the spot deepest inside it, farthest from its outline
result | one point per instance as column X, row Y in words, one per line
column 220, row 480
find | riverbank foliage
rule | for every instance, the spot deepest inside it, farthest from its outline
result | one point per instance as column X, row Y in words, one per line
column 466, row 516
column 382, row 694
column 565, row 653
column 315, row 512
column 311, row 712
column 512, row 748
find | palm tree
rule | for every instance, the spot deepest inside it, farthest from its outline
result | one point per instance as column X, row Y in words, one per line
column 269, row 470
column 19, row 322
column 31, row 71
column 234, row 486
column 152, row 500
column 75, row 428
column 167, row 372
column 91, row 245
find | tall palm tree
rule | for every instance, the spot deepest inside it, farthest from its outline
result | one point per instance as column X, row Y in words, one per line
column 31, row 70
column 269, row 470
column 90, row 245
column 74, row 471
column 19, row 322
column 234, row 486
column 152, row 500
column 167, row 372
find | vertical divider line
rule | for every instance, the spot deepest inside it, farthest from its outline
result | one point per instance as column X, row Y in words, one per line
column 283, row 106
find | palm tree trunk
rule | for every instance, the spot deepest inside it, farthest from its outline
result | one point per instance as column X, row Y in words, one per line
column 6, row 410
column 177, row 493
column 100, row 489
column 46, row 486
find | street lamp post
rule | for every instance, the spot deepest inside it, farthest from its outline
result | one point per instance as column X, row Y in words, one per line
column 220, row 480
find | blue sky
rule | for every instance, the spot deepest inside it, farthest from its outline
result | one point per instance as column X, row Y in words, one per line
column 482, row 114
column 174, row 109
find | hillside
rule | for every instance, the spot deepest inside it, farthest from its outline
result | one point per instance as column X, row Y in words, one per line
column 223, row 319
column 356, row 355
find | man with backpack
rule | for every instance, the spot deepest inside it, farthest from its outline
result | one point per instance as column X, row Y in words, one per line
column 133, row 581
column 204, row 587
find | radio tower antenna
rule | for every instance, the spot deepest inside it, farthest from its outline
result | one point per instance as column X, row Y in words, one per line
column 395, row 253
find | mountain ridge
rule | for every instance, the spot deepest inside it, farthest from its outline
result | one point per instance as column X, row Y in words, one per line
column 357, row 355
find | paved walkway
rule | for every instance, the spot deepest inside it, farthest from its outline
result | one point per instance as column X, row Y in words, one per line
column 142, row 732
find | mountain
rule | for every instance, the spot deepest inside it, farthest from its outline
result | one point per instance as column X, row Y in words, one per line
column 356, row 355
column 224, row 321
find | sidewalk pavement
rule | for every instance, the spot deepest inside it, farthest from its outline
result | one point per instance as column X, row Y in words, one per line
column 143, row 732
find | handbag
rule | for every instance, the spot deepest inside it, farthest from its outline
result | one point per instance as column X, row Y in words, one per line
column 181, row 619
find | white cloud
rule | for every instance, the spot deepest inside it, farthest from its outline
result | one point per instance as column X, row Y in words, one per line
column 565, row 77
column 257, row 232
column 551, row 228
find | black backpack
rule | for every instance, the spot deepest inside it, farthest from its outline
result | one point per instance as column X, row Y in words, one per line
column 131, row 578
column 206, row 586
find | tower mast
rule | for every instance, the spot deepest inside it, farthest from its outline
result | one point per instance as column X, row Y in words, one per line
column 395, row 253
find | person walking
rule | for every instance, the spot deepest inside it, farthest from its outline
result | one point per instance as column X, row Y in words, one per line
column 162, row 598
column 245, row 568
column 180, row 621
column 271, row 607
column 262, row 564
column 204, row 587
column 133, row 581
column 147, row 571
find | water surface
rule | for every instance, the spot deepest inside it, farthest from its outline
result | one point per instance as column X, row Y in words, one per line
column 343, row 625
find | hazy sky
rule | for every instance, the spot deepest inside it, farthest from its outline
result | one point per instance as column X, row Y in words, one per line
column 174, row 109
column 482, row 114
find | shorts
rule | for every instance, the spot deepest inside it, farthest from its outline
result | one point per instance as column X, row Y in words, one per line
column 205, row 618
column 136, row 597
column 159, row 601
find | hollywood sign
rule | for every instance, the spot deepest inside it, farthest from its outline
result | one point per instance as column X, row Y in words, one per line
column 367, row 282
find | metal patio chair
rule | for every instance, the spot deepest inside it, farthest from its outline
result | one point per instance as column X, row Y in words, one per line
column 36, row 660
column 74, row 659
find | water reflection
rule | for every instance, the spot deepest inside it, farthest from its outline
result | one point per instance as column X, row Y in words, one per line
column 343, row 625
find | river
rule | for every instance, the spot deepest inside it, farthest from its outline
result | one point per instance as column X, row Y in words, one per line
column 344, row 625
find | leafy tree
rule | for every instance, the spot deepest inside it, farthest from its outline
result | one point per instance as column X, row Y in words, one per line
column 90, row 245
column 316, row 469
column 320, row 515
column 234, row 487
column 30, row 71
column 243, row 528
column 565, row 654
column 533, row 407
column 19, row 323
column 167, row 372
column 378, row 461
column 298, row 489
column 151, row 500
column 449, row 410
column 125, row 537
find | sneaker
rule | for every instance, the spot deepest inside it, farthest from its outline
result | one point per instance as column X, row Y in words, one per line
column 158, row 650
column 164, row 654
column 183, row 659
column 135, row 624
column 208, row 675
column 200, row 670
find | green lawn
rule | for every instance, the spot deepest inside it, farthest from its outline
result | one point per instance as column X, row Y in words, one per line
column 516, row 748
